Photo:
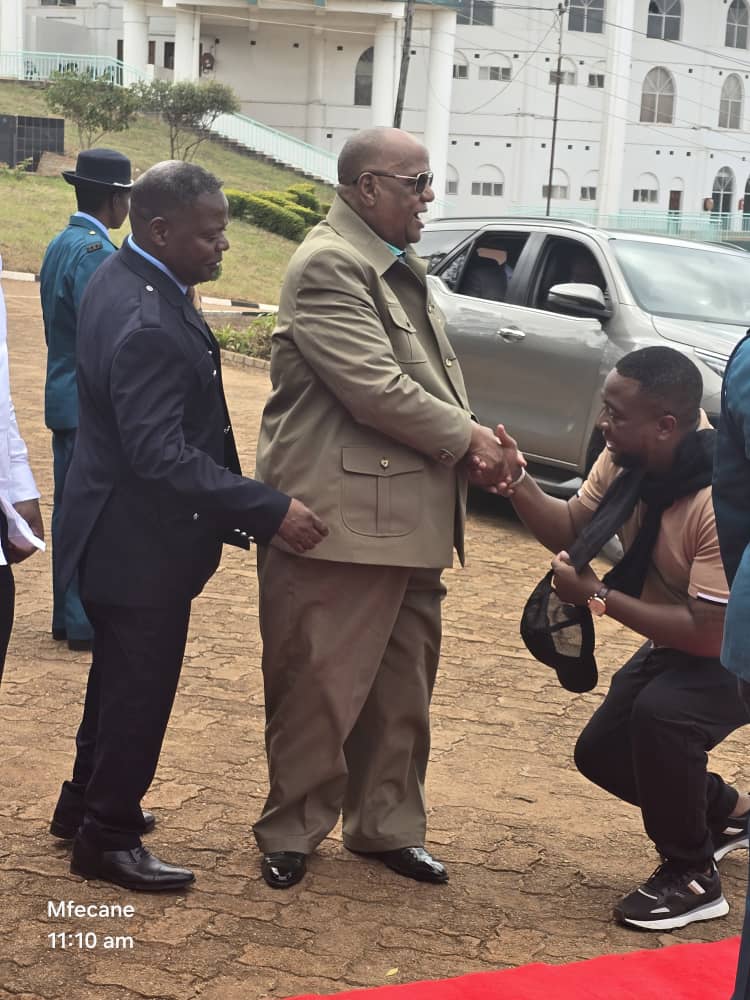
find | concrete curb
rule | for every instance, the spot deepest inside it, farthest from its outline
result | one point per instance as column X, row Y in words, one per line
column 235, row 360
column 207, row 299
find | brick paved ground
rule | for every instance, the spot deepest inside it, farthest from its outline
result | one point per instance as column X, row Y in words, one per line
column 536, row 855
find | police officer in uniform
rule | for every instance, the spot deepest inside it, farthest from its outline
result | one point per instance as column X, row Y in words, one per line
column 102, row 182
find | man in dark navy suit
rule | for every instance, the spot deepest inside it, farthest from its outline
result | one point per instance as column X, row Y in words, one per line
column 153, row 489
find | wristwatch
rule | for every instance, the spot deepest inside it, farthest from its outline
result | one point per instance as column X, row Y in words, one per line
column 597, row 603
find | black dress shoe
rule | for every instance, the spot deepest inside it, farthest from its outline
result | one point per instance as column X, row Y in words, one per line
column 413, row 862
column 135, row 869
column 66, row 830
column 283, row 869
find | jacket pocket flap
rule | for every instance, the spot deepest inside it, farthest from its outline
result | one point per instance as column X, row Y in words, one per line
column 369, row 462
column 399, row 317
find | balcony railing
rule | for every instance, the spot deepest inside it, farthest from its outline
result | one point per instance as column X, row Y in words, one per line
column 41, row 65
column 699, row 226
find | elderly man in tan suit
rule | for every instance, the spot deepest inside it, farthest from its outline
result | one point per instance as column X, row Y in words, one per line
column 368, row 422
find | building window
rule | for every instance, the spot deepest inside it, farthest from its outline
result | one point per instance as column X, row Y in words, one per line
column 586, row 15
column 451, row 179
column 494, row 72
column 596, row 80
column 119, row 50
column 657, row 97
column 58, row 3
column 730, row 109
column 588, row 194
column 487, row 189
column 567, row 74
column 451, row 187
column 460, row 71
column 737, row 20
column 664, row 18
column 475, row 12
column 558, row 191
column 152, row 53
column 645, row 195
column 363, row 79
column 169, row 55
column 723, row 191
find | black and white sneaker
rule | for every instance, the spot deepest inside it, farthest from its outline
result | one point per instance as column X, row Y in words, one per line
column 673, row 897
column 733, row 835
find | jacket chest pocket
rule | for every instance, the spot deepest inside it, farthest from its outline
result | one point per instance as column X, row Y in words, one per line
column 381, row 491
column 403, row 336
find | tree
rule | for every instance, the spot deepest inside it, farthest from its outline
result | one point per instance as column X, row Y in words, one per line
column 188, row 109
column 95, row 104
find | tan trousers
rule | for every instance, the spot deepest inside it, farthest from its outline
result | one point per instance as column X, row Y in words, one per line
column 350, row 654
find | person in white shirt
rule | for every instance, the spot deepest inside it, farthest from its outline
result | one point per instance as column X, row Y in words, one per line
column 21, row 527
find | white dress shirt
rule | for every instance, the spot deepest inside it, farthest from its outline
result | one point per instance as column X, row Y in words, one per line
column 16, row 479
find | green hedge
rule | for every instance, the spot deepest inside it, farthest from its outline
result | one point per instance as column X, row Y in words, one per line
column 305, row 195
column 254, row 340
column 266, row 214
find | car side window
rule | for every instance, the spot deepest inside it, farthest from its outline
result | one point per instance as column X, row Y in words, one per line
column 489, row 266
column 565, row 261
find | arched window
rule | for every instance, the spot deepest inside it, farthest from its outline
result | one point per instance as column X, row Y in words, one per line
column 586, row 15
column 722, row 191
column 589, row 185
column 664, row 18
column 363, row 79
column 737, row 19
column 657, row 96
column 495, row 67
column 567, row 73
column 647, row 191
column 560, row 186
column 460, row 66
column 451, row 179
column 597, row 74
column 489, row 182
column 746, row 207
column 730, row 108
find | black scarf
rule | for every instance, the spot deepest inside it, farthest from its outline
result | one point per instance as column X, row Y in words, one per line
column 692, row 471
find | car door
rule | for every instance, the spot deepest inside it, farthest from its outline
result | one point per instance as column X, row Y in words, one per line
column 536, row 371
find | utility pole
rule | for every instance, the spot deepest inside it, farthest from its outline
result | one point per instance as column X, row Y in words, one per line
column 405, row 53
column 561, row 9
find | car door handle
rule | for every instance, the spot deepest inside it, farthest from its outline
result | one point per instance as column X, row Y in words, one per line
column 511, row 334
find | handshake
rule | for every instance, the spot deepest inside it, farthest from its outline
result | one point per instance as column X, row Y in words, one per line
column 494, row 461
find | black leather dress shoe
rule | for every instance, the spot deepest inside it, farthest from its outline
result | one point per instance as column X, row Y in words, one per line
column 135, row 869
column 66, row 830
column 413, row 862
column 283, row 869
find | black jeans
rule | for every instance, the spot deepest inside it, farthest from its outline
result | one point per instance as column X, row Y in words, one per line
column 7, row 609
column 648, row 741
column 135, row 668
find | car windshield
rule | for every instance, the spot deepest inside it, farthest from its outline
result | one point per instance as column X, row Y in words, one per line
column 705, row 285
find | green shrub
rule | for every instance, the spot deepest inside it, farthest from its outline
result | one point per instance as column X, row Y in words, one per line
column 308, row 216
column 277, row 197
column 276, row 218
column 305, row 195
column 254, row 341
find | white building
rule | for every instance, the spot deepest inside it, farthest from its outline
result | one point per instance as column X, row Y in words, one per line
column 652, row 110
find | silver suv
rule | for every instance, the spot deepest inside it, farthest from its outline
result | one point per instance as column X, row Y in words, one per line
column 539, row 310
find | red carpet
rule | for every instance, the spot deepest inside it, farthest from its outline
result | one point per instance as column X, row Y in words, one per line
column 677, row 972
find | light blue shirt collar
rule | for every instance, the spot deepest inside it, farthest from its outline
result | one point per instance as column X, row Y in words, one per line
column 94, row 222
column 157, row 263
column 394, row 250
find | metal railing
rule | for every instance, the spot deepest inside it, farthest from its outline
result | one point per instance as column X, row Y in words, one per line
column 285, row 149
column 40, row 66
column 699, row 226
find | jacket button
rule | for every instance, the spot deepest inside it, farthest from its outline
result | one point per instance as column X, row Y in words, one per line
column 228, row 428
column 431, row 307
column 196, row 516
column 149, row 288
column 384, row 463
column 448, row 362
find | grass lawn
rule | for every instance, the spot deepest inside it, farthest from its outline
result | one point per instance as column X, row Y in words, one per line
column 34, row 208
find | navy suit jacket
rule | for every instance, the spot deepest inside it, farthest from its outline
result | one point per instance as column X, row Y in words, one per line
column 154, row 485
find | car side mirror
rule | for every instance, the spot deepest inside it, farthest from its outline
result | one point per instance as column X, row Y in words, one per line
column 585, row 300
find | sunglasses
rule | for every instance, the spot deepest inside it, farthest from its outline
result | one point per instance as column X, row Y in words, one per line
column 420, row 182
